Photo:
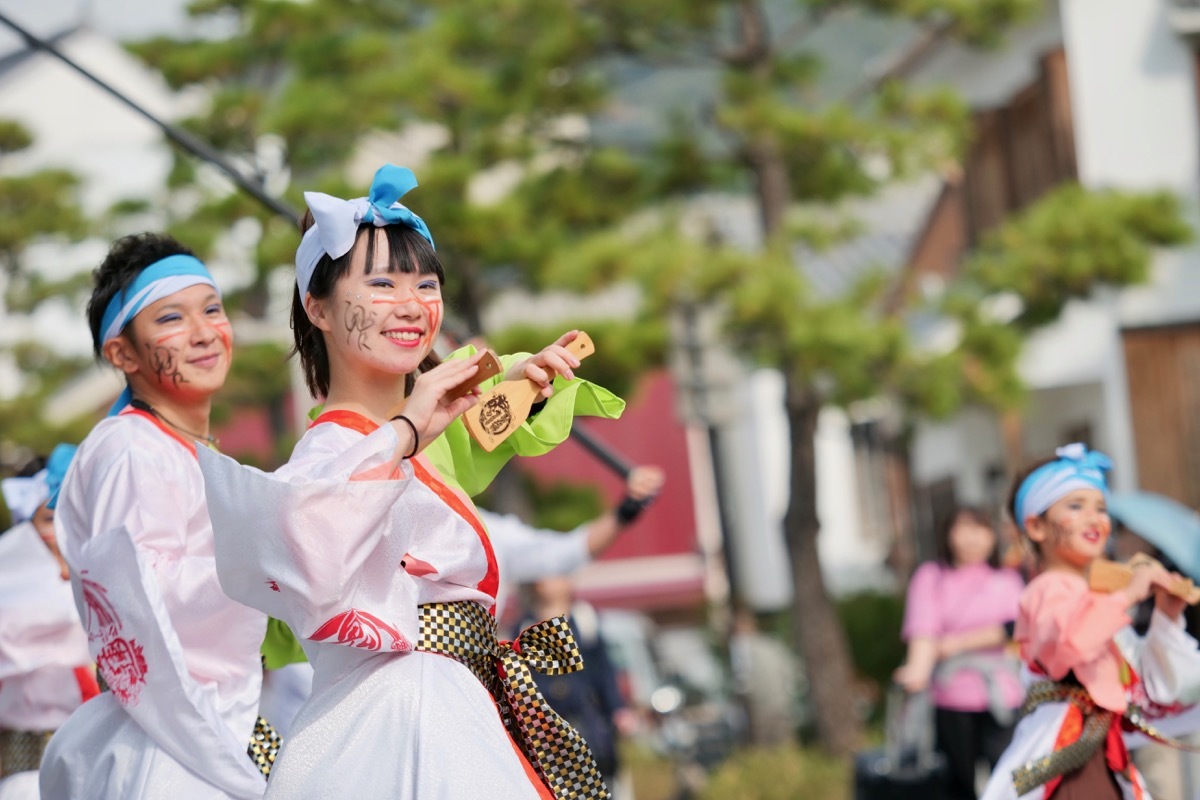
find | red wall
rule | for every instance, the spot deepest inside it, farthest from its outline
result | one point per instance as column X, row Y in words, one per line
column 647, row 433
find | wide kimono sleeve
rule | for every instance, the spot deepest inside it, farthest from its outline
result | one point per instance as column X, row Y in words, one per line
column 123, row 531
column 527, row 554
column 323, row 547
column 1166, row 659
column 460, row 459
column 139, row 654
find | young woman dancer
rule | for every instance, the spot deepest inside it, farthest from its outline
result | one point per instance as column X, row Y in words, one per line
column 180, row 659
column 378, row 560
column 1090, row 674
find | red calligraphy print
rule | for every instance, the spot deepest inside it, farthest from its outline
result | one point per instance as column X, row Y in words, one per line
column 124, row 669
column 356, row 628
column 120, row 659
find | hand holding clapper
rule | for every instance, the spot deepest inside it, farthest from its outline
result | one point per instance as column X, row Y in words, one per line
column 502, row 409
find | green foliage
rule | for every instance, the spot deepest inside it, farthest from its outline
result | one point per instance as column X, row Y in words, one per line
column 14, row 137
column 42, row 203
column 782, row 773
column 561, row 506
column 1071, row 242
column 872, row 621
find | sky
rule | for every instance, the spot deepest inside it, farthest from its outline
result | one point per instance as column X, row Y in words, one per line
column 121, row 19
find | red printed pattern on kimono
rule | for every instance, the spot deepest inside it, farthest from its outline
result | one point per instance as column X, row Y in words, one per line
column 357, row 628
column 120, row 659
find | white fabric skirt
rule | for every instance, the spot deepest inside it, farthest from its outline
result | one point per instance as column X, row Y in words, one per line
column 21, row 786
column 100, row 753
column 412, row 726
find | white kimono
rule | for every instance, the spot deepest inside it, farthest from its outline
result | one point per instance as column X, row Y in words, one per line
column 1167, row 664
column 344, row 550
column 181, row 659
column 45, row 668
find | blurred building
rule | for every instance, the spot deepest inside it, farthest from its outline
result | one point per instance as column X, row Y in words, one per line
column 1103, row 92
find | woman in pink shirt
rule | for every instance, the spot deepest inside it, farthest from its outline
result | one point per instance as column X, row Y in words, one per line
column 1090, row 675
column 957, row 619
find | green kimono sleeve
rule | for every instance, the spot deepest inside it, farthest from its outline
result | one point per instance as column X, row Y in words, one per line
column 460, row 459
column 280, row 647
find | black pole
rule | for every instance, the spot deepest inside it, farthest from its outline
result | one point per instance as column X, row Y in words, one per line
column 179, row 136
column 601, row 451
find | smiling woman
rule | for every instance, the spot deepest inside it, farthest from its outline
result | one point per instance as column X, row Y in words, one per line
column 180, row 658
column 366, row 543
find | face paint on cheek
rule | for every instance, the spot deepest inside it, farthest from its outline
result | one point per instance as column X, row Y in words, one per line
column 224, row 331
column 163, row 360
column 433, row 308
column 160, row 340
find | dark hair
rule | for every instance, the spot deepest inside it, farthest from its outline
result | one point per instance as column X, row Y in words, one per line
column 126, row 259
column 1012, row 500
column 409, row 252
column 973, row 514
column 32, row 467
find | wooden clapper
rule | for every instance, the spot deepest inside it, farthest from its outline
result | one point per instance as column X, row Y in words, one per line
column 502, row 409
column 1112, row 576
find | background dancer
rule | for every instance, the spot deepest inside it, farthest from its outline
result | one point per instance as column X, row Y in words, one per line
column 180, row 658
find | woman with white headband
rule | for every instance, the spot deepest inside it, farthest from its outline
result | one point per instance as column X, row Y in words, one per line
column 1090, row 675
column 367, row 545
column 45, row 669
column 180, row 659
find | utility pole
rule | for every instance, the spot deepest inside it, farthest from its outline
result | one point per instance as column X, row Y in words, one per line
column 701, row 380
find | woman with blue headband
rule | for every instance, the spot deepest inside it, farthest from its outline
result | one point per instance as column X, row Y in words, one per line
column 366, row 543
column 45, row 668
column 1089, row 674
column 179, row 658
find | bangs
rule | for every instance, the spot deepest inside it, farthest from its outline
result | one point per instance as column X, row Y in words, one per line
column 408, row 252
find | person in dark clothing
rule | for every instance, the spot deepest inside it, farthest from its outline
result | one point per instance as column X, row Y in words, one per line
column 589, row 699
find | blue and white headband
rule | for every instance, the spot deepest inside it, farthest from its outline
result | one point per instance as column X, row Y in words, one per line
column 23, row 496
column 161, row 279
column 1075, row 468
column 336, row 221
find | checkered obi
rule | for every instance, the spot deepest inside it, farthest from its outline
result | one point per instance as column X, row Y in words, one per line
column 1096, row 722
column 21, row 751
column 466, row 632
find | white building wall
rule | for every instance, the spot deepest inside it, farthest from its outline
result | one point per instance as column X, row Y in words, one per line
column 1133, row 95
column 964, row 449
column 759, row 451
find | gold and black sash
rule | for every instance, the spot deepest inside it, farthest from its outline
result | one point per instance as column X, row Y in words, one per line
column 466, row 632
